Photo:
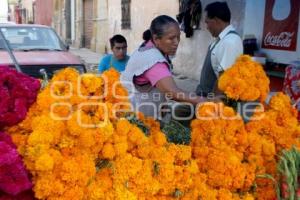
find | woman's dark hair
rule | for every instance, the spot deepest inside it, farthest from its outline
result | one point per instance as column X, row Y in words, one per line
column 117, row 39
column 147, row 35
column 158, row 26
column 219, row 10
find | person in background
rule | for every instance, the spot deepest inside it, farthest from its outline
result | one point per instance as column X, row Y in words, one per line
column 223, row 51
column 148, row 76
column 119, row 58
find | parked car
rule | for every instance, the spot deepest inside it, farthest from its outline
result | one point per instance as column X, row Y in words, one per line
column 36, row 47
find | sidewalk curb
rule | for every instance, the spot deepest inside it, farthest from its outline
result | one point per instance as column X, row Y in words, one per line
column 89, row 58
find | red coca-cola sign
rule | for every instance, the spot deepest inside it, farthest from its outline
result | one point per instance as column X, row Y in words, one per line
column 281, row 24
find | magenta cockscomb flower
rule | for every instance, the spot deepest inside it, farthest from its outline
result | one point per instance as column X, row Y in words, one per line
column 27, row 195
column 18, row 91
column 13, row 175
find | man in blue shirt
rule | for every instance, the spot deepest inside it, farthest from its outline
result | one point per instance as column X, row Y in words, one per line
column 119, row 58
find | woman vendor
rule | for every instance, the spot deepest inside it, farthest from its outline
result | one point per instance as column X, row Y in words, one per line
column 148, row 76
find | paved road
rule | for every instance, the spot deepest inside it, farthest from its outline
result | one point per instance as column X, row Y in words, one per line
column 88, row 57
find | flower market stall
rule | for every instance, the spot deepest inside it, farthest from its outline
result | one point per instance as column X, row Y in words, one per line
column 77, row 141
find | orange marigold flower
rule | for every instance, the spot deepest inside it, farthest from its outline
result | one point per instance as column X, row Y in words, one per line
column 158, row 138
column 245, row 80
column 44, row 163
column 123, row 126
column 108, row 151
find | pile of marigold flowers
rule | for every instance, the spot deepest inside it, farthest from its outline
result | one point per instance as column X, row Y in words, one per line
column 245, row 80
column 74, row 149
column 236, row 156
column 77, row 145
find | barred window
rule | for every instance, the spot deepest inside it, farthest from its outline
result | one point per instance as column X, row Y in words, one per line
column 126, row 22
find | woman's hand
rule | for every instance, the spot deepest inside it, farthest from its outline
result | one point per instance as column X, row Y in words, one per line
column 168, row 86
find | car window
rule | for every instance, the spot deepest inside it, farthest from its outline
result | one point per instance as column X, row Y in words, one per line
column 32, row 38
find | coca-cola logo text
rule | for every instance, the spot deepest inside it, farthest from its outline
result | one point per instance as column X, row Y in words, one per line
column 281, row 40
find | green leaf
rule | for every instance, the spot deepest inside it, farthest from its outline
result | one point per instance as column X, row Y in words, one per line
column 102, row 163
column 177, row 193
column 156, row 168
column 176, row 133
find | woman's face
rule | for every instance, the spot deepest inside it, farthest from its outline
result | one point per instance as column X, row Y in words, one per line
column 168, row 43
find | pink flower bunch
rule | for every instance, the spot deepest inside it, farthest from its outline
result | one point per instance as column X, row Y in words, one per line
column 17, row 91
column 27, row 195
column 13, row 175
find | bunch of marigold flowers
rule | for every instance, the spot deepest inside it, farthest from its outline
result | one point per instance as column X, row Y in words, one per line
column 245, row 80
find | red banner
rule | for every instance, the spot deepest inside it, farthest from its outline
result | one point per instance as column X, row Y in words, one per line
column 281, row 33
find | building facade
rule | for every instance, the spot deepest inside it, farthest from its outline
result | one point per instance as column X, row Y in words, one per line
column 90, row 24
column 43, row 12
column 132, row 17
column 3, row 11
